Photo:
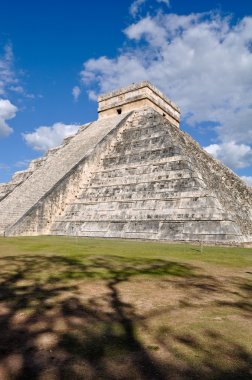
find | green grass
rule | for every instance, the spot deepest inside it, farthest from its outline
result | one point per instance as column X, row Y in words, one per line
column 66, row 258
column 73, row 247
column 116, row 309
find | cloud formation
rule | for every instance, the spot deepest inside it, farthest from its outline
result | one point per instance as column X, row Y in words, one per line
column 44, row 137
column 7, row 112
column 166, row 2
column 232, row 154
column 247, row 179
column 76, row 91
column 135, row 7
column 7, row 74
column 201, row 61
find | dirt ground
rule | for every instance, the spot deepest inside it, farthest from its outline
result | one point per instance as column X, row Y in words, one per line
column 147, row 321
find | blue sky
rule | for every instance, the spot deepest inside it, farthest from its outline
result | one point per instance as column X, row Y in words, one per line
column 56, row 56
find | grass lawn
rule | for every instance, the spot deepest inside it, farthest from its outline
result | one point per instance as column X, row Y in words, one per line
column 73, row 308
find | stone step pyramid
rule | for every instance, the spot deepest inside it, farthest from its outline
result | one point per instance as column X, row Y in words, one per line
column 52, row 171
column 131, row 174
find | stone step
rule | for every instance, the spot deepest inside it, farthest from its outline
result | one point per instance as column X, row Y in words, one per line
column 173, row 163
column 165, row 195
column 145, row 155
column 208, row 238
column 181, row 184
column 180, row 203
column 143, row 215
column 140, row 145
column 143, row 134
column 180, row 231
column 103, row 180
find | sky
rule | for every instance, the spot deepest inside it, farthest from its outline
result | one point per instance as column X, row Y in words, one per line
column 57, row 56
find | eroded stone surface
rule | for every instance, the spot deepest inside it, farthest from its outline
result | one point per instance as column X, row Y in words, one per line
column 133, row 175
column 157, row 183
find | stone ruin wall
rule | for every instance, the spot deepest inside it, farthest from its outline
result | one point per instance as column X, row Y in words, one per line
column 136, row 97
column 140, row 103
column 20, row 176
column 39, row 218
column 218, row 221
column 233, row 193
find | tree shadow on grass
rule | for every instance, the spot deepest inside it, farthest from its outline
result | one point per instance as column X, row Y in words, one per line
column 49, row 332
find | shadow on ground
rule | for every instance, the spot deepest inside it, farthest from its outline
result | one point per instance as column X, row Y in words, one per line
column 49, row 332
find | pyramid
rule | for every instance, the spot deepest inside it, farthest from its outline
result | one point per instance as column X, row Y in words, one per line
column 131, row 174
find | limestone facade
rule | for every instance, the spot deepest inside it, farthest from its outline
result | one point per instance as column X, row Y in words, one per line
column 137, row 96
column 132, row 175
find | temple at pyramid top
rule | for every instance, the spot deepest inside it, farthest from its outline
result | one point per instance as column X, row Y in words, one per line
column 134, row 97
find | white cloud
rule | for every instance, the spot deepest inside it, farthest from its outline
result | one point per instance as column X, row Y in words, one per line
column 7, row 112
column 166, row 2
column 7, row 75
column 76, row 91
column 4, row 167
column 201, row 61
column 22, row 163
column 232, row 154
column 247, row 179
column 17, row 89
column 118, row 72
column 135, row 7
column 92, row 95
column 44, row 137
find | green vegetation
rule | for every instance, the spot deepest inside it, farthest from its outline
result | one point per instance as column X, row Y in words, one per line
column 72, row 247
column 114, row 309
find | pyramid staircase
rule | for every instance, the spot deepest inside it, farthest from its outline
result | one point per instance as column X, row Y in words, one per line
column 153, row 184
column 26, row 196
